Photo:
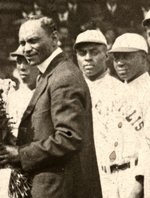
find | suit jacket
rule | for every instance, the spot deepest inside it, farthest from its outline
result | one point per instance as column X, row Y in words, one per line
column 56, row 137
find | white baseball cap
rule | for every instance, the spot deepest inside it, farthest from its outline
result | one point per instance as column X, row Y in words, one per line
column 90, row 36
column 17, row 52
column 147, row 19
column 129, row 42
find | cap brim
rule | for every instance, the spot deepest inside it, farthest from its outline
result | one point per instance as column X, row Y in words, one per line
column 124, row 49
column 76, row 45
column 14, row 54
column 17, row 52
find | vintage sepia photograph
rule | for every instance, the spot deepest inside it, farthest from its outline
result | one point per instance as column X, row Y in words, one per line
column 74, row 99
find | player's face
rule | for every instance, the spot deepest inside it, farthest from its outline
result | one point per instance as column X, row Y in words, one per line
column 91, row 59
column 23, row 67
column 129, row 65
column 27, row 74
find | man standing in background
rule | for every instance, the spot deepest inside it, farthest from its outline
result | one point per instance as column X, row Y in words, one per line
column 146, row 24
column 17, row 102
column 19, row 99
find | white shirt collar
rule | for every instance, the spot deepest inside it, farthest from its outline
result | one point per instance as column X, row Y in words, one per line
column 43, row 66
column 111, row 8
column 98, row 78
column 142, row 79
column 63, row 16
column 72, row 6
column 139, row 85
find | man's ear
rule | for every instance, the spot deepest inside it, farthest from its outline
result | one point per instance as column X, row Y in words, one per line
column 144, row 57
column 54, row 35
column 107, row 56
column 144, row 60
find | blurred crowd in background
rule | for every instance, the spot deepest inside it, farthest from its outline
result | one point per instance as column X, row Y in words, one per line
column 112, row 17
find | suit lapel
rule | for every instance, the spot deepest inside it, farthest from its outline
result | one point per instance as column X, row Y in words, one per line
column 43, row 84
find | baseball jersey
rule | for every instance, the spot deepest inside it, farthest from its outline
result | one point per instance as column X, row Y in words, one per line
column 119, row 112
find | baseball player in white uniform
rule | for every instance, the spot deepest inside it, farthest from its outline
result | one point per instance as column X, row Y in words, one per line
column 119, row 119
column 91, row 52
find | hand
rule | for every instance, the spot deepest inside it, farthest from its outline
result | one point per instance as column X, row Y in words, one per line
column 9, row 155
column 137, row 190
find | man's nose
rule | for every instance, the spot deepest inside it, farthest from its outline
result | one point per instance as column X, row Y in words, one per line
column 27, row 48
column 23, row 66
column 120, row 62
column 88, row 56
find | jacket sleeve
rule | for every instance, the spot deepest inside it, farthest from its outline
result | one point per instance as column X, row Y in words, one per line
column 68, row 105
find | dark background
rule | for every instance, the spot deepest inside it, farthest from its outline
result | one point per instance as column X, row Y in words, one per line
column 12, row 13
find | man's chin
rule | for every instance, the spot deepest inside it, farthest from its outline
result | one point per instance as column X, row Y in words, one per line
column 25, row 80
column 123, row 77
column 88, row 75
